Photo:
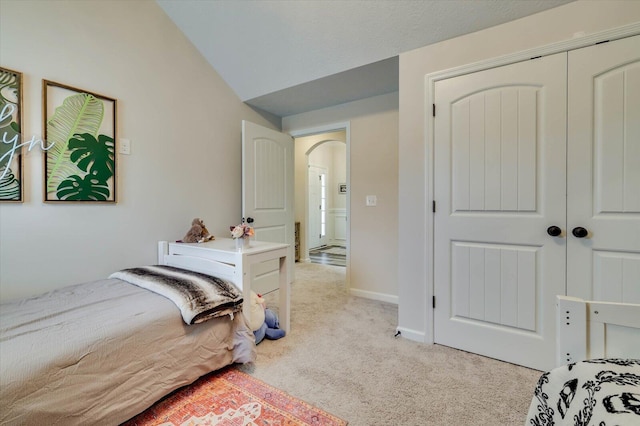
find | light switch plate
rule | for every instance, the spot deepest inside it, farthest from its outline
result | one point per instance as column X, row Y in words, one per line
column 125, row 146
column 371, row 200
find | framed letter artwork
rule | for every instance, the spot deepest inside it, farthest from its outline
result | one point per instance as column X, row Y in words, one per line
column 80, row 127
column 10, row 136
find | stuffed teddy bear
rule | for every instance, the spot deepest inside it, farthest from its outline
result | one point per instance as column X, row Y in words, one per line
column 198, row 232
column 263, row 321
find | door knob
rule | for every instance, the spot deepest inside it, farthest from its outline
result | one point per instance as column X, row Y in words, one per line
column 554, row 231
column 579, row 232
column 249, row 220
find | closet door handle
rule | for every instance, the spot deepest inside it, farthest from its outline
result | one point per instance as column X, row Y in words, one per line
column 579, row 232
column 249, row 220
column 554, row 231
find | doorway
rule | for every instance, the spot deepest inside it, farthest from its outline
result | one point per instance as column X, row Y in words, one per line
column 322, row 195
column 326, row 194
column 327, row 203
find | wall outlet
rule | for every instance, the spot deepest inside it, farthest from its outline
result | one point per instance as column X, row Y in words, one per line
column 125, row 146
column 371, row 200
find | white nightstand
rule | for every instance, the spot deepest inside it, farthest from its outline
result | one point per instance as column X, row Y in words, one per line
column 221, row 258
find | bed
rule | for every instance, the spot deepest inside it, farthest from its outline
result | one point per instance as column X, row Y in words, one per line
column 101, row 352
column 597, row 378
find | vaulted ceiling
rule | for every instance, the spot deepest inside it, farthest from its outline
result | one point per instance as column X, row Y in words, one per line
column 288, row 57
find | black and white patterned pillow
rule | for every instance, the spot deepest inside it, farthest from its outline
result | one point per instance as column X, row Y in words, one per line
column 601, row 392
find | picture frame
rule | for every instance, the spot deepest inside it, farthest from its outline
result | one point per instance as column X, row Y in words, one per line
column 11, row 150
column 80, row 127
column 342, row 188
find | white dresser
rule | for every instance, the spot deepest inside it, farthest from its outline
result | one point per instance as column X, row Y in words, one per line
column 221, row 258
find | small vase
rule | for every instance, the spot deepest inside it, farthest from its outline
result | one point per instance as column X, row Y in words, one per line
column 242, row 243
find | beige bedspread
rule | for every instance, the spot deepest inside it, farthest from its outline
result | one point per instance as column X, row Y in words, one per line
column 101, row 352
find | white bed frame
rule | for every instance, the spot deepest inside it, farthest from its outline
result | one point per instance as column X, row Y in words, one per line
column 221, row 258
column 591, row 329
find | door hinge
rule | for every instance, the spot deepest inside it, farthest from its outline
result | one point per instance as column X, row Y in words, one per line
column 433, row 302
column 434, row 109
column 433, row 206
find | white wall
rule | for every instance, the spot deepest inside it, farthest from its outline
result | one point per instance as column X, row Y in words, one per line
column 559, row 24
column 183, row 120
column 339, row 175
column 373, row 167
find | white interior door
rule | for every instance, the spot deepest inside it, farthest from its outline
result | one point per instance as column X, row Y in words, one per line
column 267, row 194
column 499, row 184
column 603, row 185
column 317, row 200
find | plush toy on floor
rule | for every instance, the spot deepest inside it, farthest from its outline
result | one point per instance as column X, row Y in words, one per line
column 263, row 321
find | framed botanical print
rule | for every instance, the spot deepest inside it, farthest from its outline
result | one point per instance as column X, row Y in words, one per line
column 11, row 173
column 80, row 128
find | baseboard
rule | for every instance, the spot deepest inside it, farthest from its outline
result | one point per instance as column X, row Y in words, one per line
column 374, row 296
column 415, row 335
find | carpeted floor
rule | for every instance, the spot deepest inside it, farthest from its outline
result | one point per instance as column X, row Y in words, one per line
column 342, row 357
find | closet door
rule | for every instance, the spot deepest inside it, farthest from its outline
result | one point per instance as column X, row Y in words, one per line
column 603, row 186
column 500, row 184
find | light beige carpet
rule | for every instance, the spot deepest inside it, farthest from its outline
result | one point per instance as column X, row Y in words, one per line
column 341, row 355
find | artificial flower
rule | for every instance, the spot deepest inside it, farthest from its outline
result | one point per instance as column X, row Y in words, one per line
column 241, row 231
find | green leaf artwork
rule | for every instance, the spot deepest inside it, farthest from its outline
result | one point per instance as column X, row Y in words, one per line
column 89, row 188
column 81, row 127
column 9, row 183
column 79, row 114
column 10, row 162
column 94, row 156
column 9, row 186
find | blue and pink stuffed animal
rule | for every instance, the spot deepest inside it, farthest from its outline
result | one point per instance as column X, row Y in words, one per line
column 263, row 322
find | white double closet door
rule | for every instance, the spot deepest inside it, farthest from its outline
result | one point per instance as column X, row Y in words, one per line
column 520, row 149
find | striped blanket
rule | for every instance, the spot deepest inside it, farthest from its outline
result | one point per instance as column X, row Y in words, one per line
column 198, row 296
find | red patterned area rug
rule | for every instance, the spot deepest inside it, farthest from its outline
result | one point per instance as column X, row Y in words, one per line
column 230, row 397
